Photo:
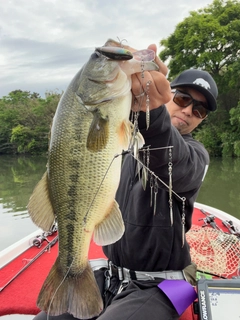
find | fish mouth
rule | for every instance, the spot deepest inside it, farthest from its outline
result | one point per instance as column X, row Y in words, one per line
column 114, row 78
column 94, row 102
column 97, row 102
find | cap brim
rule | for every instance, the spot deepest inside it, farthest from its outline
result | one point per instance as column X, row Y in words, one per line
column 211, row 101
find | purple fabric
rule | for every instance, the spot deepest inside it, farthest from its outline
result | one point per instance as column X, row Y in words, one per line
column 179, row 292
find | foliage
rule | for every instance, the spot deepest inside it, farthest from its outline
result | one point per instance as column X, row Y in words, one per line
column 209, row 136
column 235, row 130
column 25, row 120
column 209, row 39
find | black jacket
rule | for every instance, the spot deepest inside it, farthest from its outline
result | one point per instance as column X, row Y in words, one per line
column 150, row 243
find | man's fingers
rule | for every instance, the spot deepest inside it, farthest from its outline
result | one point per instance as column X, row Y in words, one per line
column 153, row 47
column 153, row 89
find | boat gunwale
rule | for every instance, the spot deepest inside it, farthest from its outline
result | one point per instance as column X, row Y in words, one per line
column 13, row 251
column 16, row 249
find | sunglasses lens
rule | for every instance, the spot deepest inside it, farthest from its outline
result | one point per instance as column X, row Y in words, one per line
column 199, row 110
column 182, row 99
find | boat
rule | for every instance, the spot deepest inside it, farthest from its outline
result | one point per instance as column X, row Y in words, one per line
column 215, row 247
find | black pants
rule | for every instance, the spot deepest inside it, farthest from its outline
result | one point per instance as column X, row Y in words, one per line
column 140, row 300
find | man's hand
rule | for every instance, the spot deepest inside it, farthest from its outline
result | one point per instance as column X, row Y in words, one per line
column 154, row 85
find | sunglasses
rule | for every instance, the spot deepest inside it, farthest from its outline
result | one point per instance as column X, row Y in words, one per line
column 183, row 100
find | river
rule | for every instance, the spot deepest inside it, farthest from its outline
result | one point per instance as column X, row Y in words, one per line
column 19, row 175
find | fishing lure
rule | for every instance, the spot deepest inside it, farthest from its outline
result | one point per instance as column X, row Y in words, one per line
column 115, row 53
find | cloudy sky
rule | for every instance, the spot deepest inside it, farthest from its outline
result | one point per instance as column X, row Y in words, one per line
column 43, row 43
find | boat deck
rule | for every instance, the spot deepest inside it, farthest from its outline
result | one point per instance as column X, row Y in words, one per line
column 19, row 289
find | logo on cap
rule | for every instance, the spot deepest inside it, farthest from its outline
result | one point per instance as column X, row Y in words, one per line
column 203, row 83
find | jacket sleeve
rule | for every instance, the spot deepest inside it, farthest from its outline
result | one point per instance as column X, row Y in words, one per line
column 189, row 157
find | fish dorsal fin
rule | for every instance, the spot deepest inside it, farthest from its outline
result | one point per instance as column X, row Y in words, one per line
column 98, row 134
column 40, row 207
column 111, row 228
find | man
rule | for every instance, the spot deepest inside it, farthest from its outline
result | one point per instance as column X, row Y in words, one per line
column 156, row 218
column 156, row 241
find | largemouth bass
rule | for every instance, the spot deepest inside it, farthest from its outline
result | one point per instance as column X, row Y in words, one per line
column 91, row 126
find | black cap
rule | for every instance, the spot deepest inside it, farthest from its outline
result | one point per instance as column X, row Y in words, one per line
column 200, row 80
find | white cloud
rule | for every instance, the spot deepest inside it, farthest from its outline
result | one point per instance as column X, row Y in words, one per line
column 43, row 43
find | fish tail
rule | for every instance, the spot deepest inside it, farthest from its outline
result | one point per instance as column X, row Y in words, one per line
column 76, row 294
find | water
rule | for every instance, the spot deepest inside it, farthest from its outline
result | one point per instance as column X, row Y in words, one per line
column 221, row 187
column 19, row 175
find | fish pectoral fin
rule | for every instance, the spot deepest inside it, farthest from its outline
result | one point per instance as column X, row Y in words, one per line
column 98, row 134
column 124, row 134
column 40, row 207
column 111, row 228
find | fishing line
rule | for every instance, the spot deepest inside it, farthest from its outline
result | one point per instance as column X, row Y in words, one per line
column 121, row 41
column 117, row 155
column 170, row 190
column 65, row 276
column 151, row 172
column 154, row 175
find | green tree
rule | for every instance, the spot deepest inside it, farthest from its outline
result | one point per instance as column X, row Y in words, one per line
column 25, row 121
column 209, row 39
column 234, row 132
